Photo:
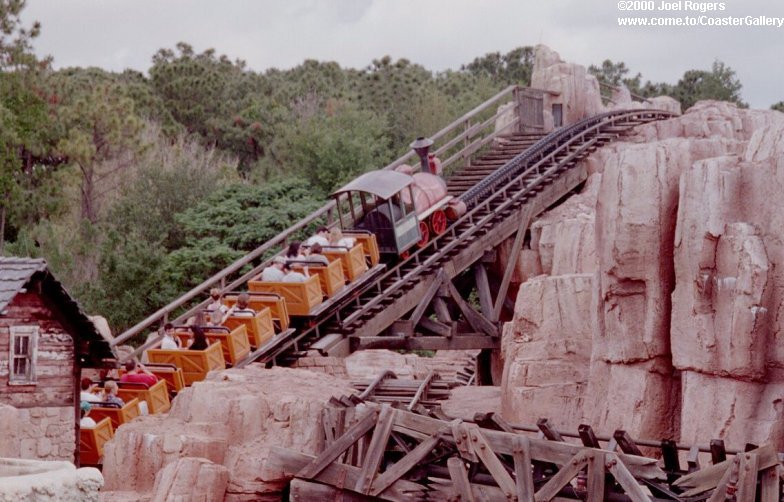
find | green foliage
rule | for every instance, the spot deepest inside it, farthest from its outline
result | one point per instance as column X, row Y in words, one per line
column 334, row 146
column 245, row 216
column 514, row 67
column 778, row 106
column 720, row 83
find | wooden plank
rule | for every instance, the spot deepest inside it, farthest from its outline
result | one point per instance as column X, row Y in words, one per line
column 459, row 477
column 307, row 490
column 596, row 477
column 483, row 289
column 283, row 463
column 457, row 342
column 624, row 478
column 524, row 481
column 488, row 457
column 769, row 484
column 463, row 441
column 422, row 390
column 405, row 464
column 334, row 450
column 427, row 298
column 442, row 311
column 474, row 318
column 525, row 218
column 747, row 478
column 719, row 494
column 437, row 327
column 707, row 478
column 565, row 473
column 375, row 452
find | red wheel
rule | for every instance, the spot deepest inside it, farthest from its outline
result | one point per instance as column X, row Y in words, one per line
column 438, row 222
column 425, row 232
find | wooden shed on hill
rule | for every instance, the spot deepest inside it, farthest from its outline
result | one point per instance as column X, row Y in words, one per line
column 45, row 341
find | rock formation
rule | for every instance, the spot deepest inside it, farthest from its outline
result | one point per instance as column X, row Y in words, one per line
column 220, row 430
column 42, row 481
column 665, row 276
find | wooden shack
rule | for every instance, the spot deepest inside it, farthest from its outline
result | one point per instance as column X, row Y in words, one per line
column 45, row 341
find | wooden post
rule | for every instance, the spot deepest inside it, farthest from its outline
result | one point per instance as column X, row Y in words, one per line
column 375, row 452
column 460, row 481
column 525, row 218
column 596, row 477
column 483, row 290
column 524, row 481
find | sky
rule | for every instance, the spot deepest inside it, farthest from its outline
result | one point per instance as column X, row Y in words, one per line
column 438, row 34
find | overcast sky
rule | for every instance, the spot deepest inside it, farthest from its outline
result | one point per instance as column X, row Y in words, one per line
column 439, row 34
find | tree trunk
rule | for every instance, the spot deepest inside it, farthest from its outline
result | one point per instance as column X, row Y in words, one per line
column 2, row 229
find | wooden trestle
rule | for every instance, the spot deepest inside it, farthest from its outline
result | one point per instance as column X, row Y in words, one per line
column 379, row 451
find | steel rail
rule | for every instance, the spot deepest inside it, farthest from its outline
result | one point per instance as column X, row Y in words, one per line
column 431, row 250
column 510, row 196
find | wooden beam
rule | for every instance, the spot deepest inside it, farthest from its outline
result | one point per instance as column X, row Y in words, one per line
column 769, row 484
column 483, row 289
column 525, row 219
column 460, row 479
column 488, row 457
column 719, row 494
column 427, row 298
column 334, row 450
column 441, row 310
column 375, row 452
column 458, row 342
column 405, row 464
column 286, row 463
column 422, row 390
column 624, row 478
column 747, row 479
column 301, row 489
column 474, row 318
column 436, row 327
column 565, row 473
column 524, row 481
column 596, row 477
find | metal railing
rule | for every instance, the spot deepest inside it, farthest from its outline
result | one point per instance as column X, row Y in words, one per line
column 459, row 140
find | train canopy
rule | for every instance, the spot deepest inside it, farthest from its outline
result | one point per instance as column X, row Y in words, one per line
column 382, row 184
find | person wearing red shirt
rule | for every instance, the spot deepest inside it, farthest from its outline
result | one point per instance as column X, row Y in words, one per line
column 138, row 374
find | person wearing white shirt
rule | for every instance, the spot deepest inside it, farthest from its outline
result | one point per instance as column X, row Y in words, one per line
column 292, row 276
column 169, row 341
column 274, row 273
column 336, row 239
column 88, row 392
column 86, row 422
column 321, row 237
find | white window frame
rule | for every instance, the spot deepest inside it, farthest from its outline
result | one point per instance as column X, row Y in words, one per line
column 29, row 377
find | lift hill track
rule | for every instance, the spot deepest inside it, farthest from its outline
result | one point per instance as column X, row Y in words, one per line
column 520, row 177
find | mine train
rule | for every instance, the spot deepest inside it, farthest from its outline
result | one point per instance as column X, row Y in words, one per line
column 401, row 208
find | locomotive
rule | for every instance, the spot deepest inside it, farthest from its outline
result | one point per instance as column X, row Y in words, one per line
column 402, row 207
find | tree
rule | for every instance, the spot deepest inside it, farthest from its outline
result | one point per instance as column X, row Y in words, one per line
column 778, row 106
column 514, row 67
column 720, row 83
column 336, row 145
column 102, row 133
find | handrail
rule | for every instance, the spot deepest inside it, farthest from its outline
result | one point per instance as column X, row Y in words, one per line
column 220, row 277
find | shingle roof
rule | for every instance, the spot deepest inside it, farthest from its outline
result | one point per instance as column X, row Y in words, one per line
column 16, row 272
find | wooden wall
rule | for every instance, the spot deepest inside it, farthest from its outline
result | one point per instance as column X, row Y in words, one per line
column 55, row 366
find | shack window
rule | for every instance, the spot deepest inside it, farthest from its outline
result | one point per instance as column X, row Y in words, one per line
column 22, row 357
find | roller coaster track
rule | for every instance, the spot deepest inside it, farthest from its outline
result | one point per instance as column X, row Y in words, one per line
column 500, row 205
column 503, row 192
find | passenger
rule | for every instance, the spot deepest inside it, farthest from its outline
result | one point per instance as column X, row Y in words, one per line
column 241, row 309
column 316, row 256
column 86, row 422
column 170, row 340
column 110, row 390
column 88, row 393
column 293, row 276
column 274, row 273
column 138, row 374
column 336, row 239
column 304, row 252
column 321, row 237
column 199, row 340
column 294, row 250
column 215, row 304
